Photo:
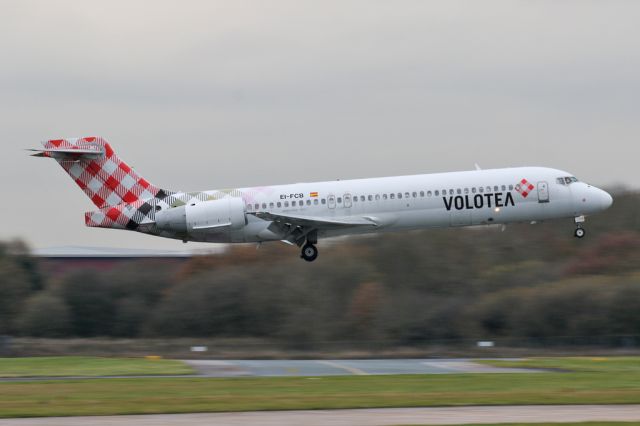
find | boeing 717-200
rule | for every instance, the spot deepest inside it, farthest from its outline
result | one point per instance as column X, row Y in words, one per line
column 302, row 213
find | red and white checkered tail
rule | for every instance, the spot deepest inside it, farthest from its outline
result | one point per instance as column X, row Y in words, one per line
column 99, row 172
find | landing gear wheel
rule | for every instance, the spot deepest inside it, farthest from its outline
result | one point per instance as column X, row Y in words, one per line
column 580, row 232
column 309, row 252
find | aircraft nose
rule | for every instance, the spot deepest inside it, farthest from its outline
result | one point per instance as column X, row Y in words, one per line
column 606, row 200
column 602, row 200
column 590, row 199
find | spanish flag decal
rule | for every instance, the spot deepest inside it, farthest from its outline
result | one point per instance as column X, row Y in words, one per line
column 313, row 194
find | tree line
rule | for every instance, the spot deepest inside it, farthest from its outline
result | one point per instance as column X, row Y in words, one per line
column 528, row 281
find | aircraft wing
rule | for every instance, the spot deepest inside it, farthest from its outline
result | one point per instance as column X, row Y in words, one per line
column 317, row 222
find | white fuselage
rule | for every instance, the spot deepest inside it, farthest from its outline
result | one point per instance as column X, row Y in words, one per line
column 497, row 196
column 303, row 213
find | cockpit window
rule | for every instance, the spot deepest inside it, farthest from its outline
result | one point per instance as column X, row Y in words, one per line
column 566, row 180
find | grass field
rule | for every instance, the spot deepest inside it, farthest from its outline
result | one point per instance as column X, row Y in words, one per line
column 89, row 367
column 575, row 364
column 613, row 381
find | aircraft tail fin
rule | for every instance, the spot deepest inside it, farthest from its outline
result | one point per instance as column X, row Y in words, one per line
column 98, row 171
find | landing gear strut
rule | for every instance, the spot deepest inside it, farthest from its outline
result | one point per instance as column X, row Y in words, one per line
column 309, row 252
column 579, row 232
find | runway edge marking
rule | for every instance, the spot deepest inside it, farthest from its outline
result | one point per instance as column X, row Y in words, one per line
column 352, row 370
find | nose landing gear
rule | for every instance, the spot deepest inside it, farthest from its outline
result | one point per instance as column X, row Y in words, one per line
column 579, row 232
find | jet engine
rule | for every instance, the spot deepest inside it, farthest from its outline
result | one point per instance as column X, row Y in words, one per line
column 225, row 214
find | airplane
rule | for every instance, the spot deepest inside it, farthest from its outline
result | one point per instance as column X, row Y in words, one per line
column 300, row 214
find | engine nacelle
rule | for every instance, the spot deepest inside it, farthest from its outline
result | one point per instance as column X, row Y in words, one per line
column 225, row 214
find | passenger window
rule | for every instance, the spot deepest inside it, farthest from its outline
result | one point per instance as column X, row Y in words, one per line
column 362, row 198
column 415, row 195
column 339, row 200
column 481, row 189
column 466, row 190
column 315, row 202
column 429, row 194
column 377, row 197
column 495, row 188
column 324, row 201
column 459, row 191
column 286, row 204
column 271, row 205
column 399, row 195
column 355, row 198
column 279, row 204
column 384, row 196
column 473, row 190
column 451, row 192
column 422, row 193
column 293, row 203
column 504, row 187
column 510, row 187
column 370, row 197
column 488, row 189
column 249, row 207
column 308, row 202
column 264, row 205
column 437, row 192
column 392, row 196
column 257, row 206
column 406, row 195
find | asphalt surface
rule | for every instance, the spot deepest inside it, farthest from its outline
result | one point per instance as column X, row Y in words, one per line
column 312, row 368
column 369, row 417
column 339, row 367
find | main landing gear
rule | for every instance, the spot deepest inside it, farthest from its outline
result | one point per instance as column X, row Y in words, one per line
column 579, row 232
column 309, row 252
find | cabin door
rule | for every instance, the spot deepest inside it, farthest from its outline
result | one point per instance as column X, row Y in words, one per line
column 347, row 201
column 543, row 192
column 331, row 201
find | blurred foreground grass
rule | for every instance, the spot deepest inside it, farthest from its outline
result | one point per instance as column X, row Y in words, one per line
column 90, row 367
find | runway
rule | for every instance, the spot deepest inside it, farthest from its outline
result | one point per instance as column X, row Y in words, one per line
column 370, row 417
column 308, row 368
column 339, row 367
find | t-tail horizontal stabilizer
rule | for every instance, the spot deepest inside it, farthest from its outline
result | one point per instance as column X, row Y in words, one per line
column 69, row 153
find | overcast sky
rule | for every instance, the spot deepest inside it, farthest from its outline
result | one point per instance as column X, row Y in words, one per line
column 215, row 94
